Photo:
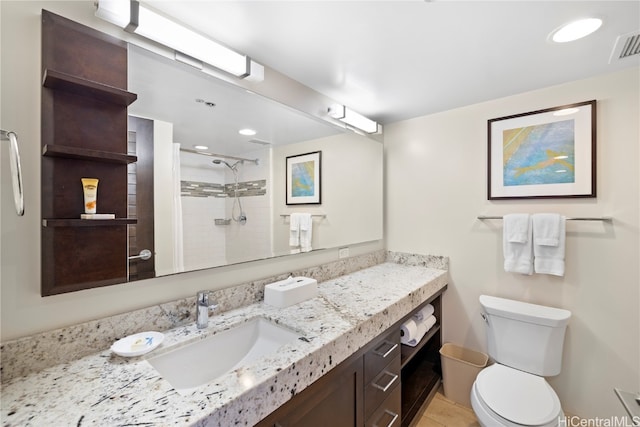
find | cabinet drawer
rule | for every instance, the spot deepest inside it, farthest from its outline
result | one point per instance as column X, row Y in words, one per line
column 386, row 349
column 388, row 413
column 381, row 386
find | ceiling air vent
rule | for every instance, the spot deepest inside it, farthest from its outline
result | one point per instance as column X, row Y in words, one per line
column 627, row 45
column 259, row 141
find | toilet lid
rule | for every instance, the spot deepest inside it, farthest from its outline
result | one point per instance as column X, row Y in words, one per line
column 518, row 396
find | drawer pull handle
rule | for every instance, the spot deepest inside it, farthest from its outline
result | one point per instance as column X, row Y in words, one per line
column 379, row 351
column 384, row 389
column 391, row 414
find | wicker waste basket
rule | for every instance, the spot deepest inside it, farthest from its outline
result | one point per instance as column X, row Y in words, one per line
column 460, row 367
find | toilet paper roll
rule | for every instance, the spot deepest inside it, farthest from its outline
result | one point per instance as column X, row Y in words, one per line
column 408, row 331
column 412, row 332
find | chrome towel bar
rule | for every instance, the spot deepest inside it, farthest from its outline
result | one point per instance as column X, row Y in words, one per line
column 577, row 218
column 315, row 215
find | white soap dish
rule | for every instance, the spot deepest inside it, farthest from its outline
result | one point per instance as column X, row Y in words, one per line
column 137, row 344
column 290, row 291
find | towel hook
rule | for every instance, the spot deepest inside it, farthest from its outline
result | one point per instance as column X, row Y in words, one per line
column 16, row 169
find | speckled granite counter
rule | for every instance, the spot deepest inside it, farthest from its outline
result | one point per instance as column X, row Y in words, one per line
column 107, row 390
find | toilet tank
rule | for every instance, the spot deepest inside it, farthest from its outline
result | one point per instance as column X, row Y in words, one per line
column 525, row 336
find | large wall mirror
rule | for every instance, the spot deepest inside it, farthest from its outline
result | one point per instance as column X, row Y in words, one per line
column 220, row 170
column 209, row 187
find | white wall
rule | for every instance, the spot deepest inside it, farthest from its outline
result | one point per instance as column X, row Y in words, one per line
column 23, row 311
column 350, row 176
column 436, row 169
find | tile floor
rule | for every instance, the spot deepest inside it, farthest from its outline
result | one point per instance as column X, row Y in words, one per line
column 444, row 412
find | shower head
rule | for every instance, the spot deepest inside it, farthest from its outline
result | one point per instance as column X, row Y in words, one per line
column 232, row 167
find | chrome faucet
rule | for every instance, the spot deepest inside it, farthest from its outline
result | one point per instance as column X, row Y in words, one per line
column 203, row 306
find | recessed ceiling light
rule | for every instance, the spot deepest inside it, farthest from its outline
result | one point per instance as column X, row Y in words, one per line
column 576, row 30
column 247, row 132
column 200, row 147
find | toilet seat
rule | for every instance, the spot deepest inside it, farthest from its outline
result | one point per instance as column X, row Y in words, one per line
column 517, row 396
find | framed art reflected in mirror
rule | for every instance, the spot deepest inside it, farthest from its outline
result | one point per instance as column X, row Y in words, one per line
column 304, row 179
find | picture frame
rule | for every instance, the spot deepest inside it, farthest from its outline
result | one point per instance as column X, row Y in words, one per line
column 543, row 154
column 304, row 179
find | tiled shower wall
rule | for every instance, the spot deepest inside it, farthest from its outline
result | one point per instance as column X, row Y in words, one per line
column 210, row 190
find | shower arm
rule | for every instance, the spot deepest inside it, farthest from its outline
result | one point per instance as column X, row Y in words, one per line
column 222, row 156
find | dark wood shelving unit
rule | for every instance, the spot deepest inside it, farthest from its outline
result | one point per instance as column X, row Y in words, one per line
column 421, row 371
column 83, row 135
column 421, row 377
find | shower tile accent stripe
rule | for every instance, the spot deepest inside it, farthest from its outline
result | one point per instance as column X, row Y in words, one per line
column 209, row 189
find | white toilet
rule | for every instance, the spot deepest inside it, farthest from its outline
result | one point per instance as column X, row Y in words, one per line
column 525, row 341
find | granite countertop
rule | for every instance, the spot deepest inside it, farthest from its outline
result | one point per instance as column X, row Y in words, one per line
column 108, row 390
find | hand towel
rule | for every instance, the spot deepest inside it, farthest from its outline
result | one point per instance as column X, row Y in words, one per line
column 516, row 228
column 424, row 312
column 517, row 244
column 294, row 229
column 546, row 229
column 549, row 259
column 306, row 231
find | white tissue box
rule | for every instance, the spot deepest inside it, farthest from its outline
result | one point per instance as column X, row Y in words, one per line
column 290, row 291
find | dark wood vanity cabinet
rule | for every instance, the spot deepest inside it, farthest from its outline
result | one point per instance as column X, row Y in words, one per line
column 382, row 381
column 83, row 135
column 385, row 384
column 333, row 400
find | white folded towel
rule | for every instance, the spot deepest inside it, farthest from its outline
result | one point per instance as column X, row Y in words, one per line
column 294, row 230
column 300, row 231
column 424, row 312
column 547, row 230
column 306, row 231
column 517, row 243
column 516, row 228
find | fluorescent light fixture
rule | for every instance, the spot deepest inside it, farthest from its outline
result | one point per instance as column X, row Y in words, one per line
column 576, row 30
column 247, row 132
column 137, row 18
column 350, row 117
column 200, row 147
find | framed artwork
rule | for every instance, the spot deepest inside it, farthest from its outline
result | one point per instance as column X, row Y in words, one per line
column 546, row 154
column 304, row 179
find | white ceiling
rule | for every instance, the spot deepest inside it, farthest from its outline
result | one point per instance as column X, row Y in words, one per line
column 393, row 60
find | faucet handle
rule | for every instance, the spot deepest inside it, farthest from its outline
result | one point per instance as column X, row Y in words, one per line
column 203, row 300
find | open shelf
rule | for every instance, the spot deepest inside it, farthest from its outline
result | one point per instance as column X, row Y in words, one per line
column 417, row 387
column 71, row 222
column 421, row 377
column 53, row 79
column 86, row 154
column 407, row 352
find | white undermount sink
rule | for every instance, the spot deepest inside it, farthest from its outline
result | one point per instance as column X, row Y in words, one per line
column 200, row 362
